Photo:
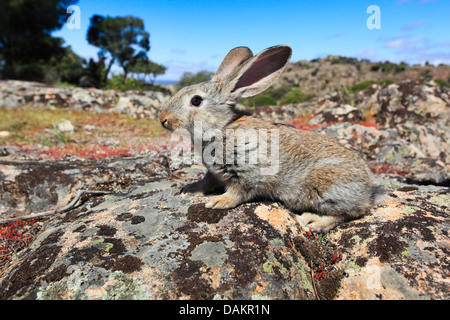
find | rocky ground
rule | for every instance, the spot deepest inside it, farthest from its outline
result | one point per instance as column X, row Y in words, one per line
column 146, row 241
column 333, row 73
column 138, row 104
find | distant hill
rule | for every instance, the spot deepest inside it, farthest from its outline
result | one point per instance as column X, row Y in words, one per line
column 333, row 73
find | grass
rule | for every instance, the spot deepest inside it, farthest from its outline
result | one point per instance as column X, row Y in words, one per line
column 34, row 131
column 442, row 83
column 109, row 135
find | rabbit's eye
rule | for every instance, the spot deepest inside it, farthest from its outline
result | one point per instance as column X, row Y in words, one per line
column 196, row 101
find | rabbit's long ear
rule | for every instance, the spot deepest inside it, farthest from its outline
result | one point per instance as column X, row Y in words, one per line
column 258, row 73
column 234, row 58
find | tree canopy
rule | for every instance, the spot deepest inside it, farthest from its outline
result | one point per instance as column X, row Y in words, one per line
column 147, row 68
column 123, row 38
column 188, row 78
column 28, row 51
column 26, row 45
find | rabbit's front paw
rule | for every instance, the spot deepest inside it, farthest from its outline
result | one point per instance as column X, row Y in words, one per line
column 318, row 223
column 224, row 201
column 191, row 188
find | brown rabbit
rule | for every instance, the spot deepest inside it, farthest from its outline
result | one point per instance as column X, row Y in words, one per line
column 312, row 174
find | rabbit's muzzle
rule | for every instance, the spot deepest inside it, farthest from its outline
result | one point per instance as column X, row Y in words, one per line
column 169, row 121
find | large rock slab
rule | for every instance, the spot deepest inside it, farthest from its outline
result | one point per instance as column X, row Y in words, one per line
column 150, row 242
column 28, row 185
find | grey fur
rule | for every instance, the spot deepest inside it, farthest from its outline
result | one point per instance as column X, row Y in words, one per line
column 312, row 172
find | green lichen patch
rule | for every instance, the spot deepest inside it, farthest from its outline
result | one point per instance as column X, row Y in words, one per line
column 125, row 287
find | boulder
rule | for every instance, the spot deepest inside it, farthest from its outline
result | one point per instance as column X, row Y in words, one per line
column 146, row 241
column 145, row 104
column 28, row 185
column 65, row 127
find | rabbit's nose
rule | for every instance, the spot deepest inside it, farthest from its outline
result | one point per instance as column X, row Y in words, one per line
column 163, row 118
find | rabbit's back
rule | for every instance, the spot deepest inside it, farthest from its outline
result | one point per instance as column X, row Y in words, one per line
column 314, row 172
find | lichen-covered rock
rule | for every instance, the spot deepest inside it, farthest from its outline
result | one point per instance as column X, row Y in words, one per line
column 29, row 186
column 150, row 242
column 401, row 127
column 145, row 104
column 400, row 251
column 146, row 241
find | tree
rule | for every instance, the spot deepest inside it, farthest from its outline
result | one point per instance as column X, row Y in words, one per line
column 189, row 78
column 93, row 74
column 123, row 38
column 26, row 45
column 148, row 68
column 69, row 68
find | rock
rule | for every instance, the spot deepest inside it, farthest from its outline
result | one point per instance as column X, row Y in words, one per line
column 4, row 134
column 30, row 186
column 395, row 249
column 65, row 127
column 147, row 241
column 136, row 104
column 338, row 113
column 89, row 127
column 124, row 104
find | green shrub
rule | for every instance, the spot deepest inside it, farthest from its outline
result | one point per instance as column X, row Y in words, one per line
column 387, row 66
column 385, row 81
column 365, row 84
column 278, row 93
column 442, row 83
column 262, row 99
column 296, row 96
column 65, row 84
column 116, row 82
column 400, row 67
column 188, row 78
column 274, row 96
column 344, row 60
column 375, row 67
column 361, row 85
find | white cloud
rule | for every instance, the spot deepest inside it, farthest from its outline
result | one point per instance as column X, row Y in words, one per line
column 434, row 58
column 399, row 2
column 178, row 51
column 401, row 43
column 413, row 25
column 366, row 54
column 369, row 54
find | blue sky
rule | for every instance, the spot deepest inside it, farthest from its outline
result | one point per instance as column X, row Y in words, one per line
column 192, row 35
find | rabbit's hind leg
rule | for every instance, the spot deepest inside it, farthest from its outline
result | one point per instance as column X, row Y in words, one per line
column 341, row 202
column 318, row 223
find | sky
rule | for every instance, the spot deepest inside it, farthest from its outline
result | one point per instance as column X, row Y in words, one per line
column 193, row 35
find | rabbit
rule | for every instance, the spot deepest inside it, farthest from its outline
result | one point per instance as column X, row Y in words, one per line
column 317, row 177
